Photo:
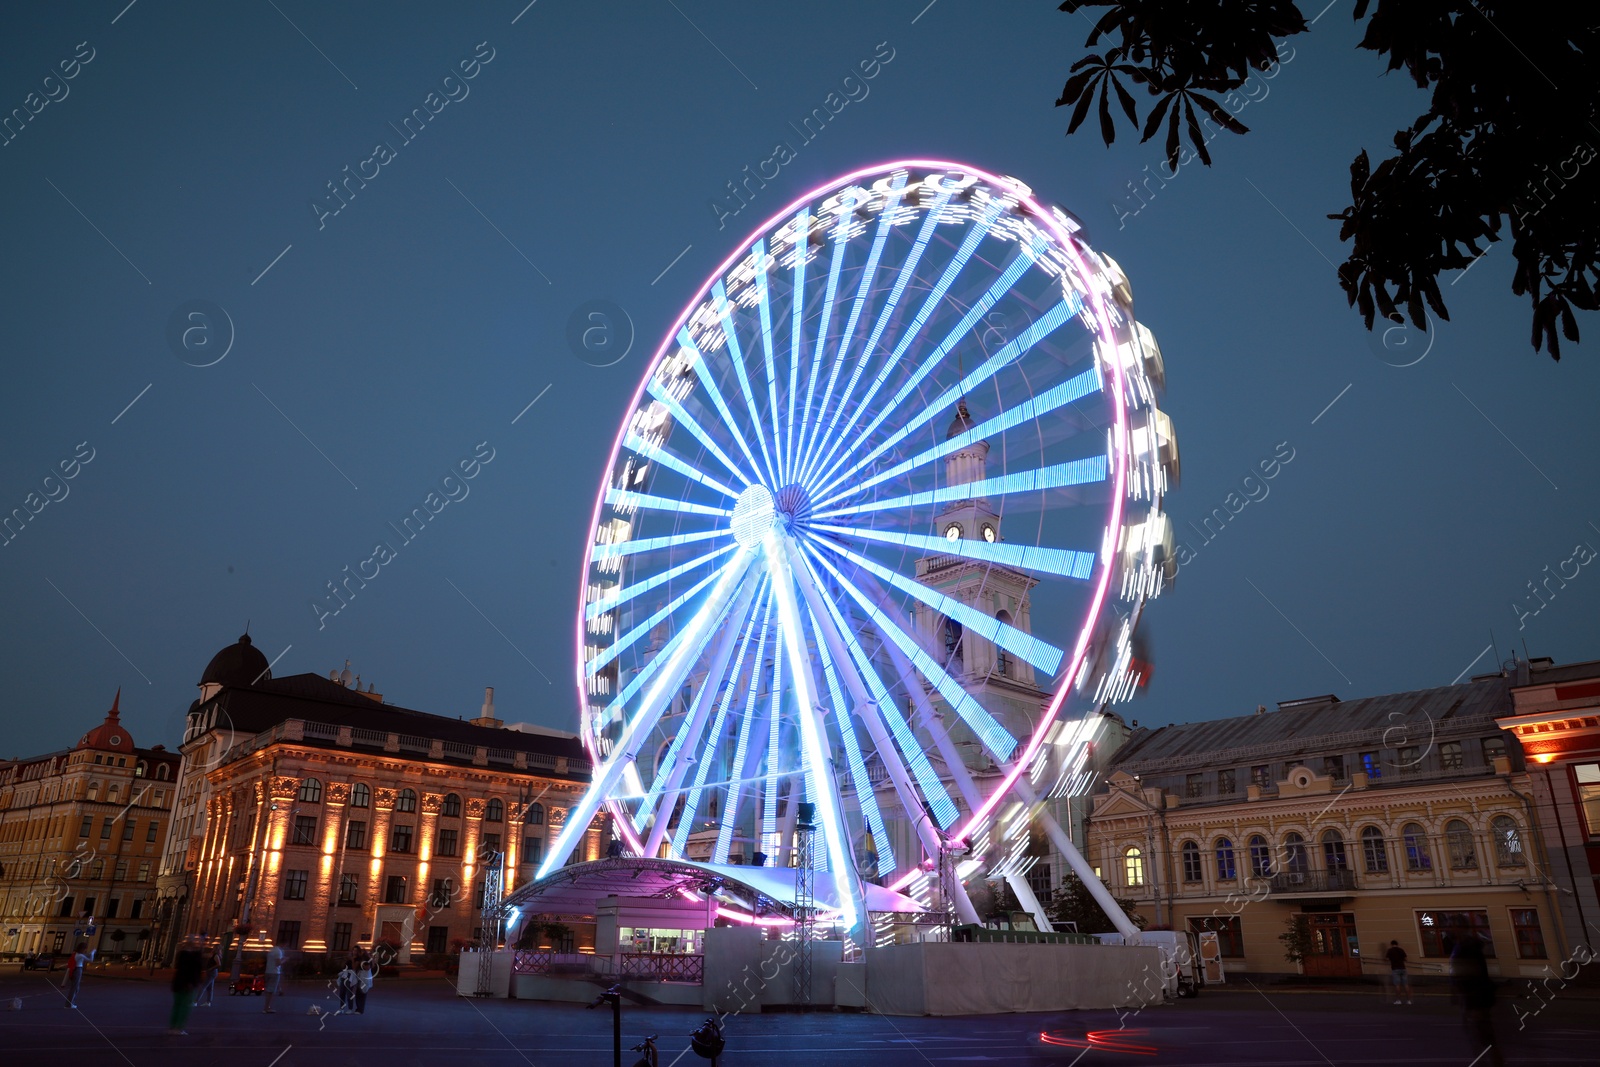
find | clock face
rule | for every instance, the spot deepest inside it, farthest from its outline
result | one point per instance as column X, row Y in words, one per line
column 988, row 533
column 953, row 532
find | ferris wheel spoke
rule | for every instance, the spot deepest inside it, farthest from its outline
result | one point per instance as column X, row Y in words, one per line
column 955, row 336
column 657, row 454
column 625, row 501
column 1062, row 562
column 702, row 371
column 765, row 307
column 681, row 415
column 739, row 769
column 1056, row 476
column 719, row 298
column 841, row 240
column 615, row 598
column 769, row 800
column 994, row 736
column 797, row 306
column 1072, row 389
column 1012, row 351
column 1041, row 654
column 610, row 553
column 877, row 707
column 625, row 640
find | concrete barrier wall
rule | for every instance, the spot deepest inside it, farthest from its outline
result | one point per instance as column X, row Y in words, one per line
column 981, row 978
column 500, row 974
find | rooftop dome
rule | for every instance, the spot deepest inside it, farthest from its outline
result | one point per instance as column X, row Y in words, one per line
column 109, row 736
column 961, row 423
column 241, row 663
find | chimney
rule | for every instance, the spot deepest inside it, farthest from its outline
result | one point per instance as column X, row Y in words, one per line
column 486, row 715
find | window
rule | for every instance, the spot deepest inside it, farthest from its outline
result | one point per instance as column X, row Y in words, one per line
column 952, row 640
column 1588, row 776
column 150, row 831
column 1226, row 782
column 121, row 872
column 1530, row 939
column 1409, row 758
column 1333, row 766
column 406, row 801
column 536, row 813
column 310, row 791
column 1294, row 853
column 394, row 890
column 349, row 889
column 1441, row 930
column 65, row 911
column 1191, row 862
column 1194, row 785
column 1133, row 868
column 1507, row 842
column 305, row 830
column 1450, row 755
column 355, row 834
column 144, row 872
column 1458, row 840
column 1333, row 856
column 494, row 811
column 438, row 940
column 86, row 827
column 1493, row 748
column 1416, row 845
column 1261, row 776
column 1225, row 870
column 532, row 849
column 360, row 796
column 105, row 828
column 1260, row 857
column 1370, row 764
column 441, row 893
column 400, row 840
column 137, row 909
column 490, row 843
column 341, row 937
column 1230, row 936
column 128, row 828
column 294, row 885
column 451, row 808
column 1374, row 850
column 289, row 933
column 1040, row 882
column 448, row 843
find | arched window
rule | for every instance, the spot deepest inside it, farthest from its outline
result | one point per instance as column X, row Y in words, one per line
column 1225, row 868
column 1374, row 850
column 1002, row 661
column 360, row 796
column 1333, row 857
column 1458, row 839
column 1294, row 853
column 162, row 773
column 451, row 806
column 536, row 814
column 1191, row 862
column 1507, row 842
column 952, row 640
column 494, row 811
column 1415, row 840
column 406, row 801
column 310, row 791
column 1133, row 868
column 1260, row 857
column 141, row 769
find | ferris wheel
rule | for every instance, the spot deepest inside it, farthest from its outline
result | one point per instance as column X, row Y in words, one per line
column 874, row 536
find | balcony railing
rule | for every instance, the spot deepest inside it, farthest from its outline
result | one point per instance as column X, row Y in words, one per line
column 1313, row 882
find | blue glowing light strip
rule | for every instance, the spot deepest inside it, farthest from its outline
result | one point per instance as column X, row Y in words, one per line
column 769, row 802
column 1068, row 391
column 767, row 354
column 650, row 544
column 1057, row 476
column 703, row 372
column 868, row 272
column 932, row 303
column 904, row 273
column 957, row 334
column 622, row 642
column 719, row 299
column 741, row 749
column 707, row 756
column 1068, row 563
column 656, row 454
column 1041, row 654
column 617, row 597
column 797, row 304
column 866, row 794
column 975, row 715
column 681, row 415
column 623, row 498
column 840, row 242
column 933, row 790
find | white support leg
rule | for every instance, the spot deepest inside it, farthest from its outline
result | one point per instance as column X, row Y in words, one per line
column 1079, row 865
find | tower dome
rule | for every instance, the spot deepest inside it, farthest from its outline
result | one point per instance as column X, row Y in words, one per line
column 109, row 736
column 241, row 663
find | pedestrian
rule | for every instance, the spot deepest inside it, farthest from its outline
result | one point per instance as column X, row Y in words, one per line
column 187, row 969
column 364, row 975
column 75, row 967
column 345, row 984
column 1397, row 972
column 208, row 977
column 274, row 975
column 1469, row 971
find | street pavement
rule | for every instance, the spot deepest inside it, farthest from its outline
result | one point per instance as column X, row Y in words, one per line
column 121, row 1022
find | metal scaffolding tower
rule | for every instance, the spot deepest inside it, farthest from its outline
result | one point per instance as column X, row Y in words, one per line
column 805, row 910
column 489, row 928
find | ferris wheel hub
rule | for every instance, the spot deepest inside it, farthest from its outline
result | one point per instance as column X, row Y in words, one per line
column 753, row 516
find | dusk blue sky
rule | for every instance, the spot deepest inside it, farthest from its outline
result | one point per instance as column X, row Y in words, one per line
column 184, row 160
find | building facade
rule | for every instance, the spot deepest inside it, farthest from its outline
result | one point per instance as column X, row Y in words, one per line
column 80, row 839
column 1310, row 837
column 313, row 815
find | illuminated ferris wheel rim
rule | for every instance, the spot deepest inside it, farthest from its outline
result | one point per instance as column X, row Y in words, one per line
column 1069, row 245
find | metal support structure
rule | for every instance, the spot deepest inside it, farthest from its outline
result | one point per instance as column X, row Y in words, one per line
column 805, row 911
column 489, row 928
